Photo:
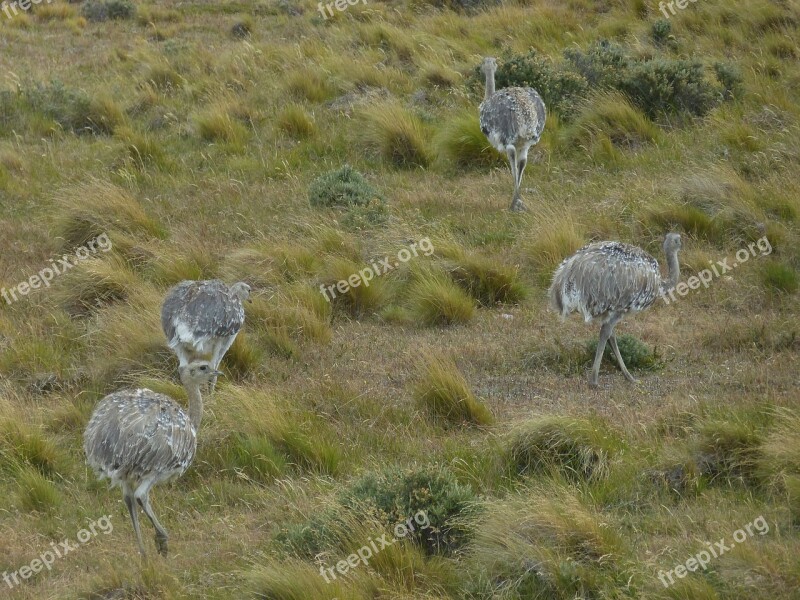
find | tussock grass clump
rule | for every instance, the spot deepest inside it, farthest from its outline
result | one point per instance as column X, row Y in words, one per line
column 779, row 454
column 728, row 451
column 310, row 85
column 488, row 281
column 342, row 187
column 142, row 149
column 547, row 543
column 772, row 336
column 443, row 392
column 434, row 299
column 127, row 339
column 359, row 298
column 297, row 580
column 461, row 142
column 95, row 283
column 24, row 445
column 37, row 493
column 300, row 314
column 577, row 448
column 244, row 358
column 397, row 135
column 90, row 209
column 780, row 277
column 609, row 116
column 256, row 421
column 217, row 124
column 296, row 122
column 556, row 236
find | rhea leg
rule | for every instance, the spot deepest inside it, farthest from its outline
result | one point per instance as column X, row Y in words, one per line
column 516, row 201
column 131, row 504
column 605, row 333
column 220, row 350
column 143, row 498
column 615, row 348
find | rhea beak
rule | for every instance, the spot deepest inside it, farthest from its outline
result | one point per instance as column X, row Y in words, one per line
column 217, row 373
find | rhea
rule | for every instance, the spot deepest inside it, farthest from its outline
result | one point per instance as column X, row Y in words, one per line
column 203, row 318
column 512, row 119
column 140, row 438
column 605, row 281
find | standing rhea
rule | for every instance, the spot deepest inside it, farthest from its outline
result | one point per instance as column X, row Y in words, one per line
column 139, row 438
column 203, row 318
column 512, row 120
column 606, row 281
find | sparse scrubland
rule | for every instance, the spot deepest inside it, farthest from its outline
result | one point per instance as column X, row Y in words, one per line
column 258, row 141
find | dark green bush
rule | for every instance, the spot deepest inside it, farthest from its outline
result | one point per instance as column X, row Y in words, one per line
column 392, row 497
column 663, row 85
column 104, row 10
column 661, row 30
column 398, row 495
column 342, row 187
column 635, row 354
column 730, row 77
column 604, row 64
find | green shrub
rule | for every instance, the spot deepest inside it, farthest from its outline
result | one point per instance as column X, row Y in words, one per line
column 342, row 187
column 661, row 30
column 730, row 77
column 391, row 497
column 71, row 109
column 602, row 65
column 663, row 85
column 108, row 9
column 635, row 354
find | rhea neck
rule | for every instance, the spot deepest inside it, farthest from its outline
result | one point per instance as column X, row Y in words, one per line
column 674, row 270
column 489, row 83
column 195, row 404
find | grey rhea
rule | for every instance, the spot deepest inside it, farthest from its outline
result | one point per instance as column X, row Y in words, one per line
column 140, row 438
column 512, row 119
column 203, row 318
column 607, row 280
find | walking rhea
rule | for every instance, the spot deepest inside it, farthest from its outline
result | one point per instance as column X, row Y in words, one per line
column 203, row 318
column 512, row 119
column 607, row 280
column 139, row 438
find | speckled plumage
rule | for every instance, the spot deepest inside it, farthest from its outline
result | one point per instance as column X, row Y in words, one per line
column 513, row 117
column 138, row 434
column 604, row 278
column 203, row 318
column 606, row 281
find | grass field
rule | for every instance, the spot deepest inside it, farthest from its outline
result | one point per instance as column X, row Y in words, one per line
column 209, row 139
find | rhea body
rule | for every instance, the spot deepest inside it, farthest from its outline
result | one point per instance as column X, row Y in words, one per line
column 605, row 281
column 202, row 319
column 140, row 438
column 512, row 119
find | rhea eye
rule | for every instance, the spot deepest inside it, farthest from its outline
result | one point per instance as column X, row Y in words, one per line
column 203, row 368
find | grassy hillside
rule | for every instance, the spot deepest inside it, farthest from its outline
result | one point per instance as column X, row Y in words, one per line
column 261, row 141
